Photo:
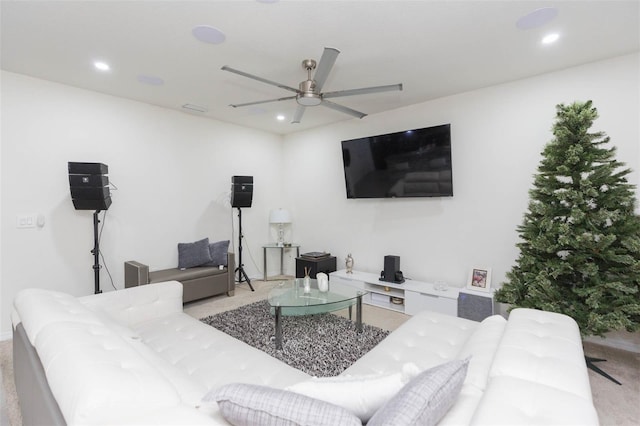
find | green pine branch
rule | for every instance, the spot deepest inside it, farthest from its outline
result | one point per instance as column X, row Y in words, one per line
column 579, row 239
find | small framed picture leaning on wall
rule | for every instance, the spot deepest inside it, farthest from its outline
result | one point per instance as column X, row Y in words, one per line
column 480, row 279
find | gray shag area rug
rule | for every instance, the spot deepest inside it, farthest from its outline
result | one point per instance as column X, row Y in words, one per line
column 321, row 345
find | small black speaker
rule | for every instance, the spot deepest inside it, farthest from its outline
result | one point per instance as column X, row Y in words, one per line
column 90, row 193
column 88, row 169
column 241, row 191
column 89, row 186
column 392, row 272
column 84, row 180
column 92, row 204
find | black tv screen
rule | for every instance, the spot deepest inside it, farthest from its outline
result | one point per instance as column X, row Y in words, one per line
column 412, row 163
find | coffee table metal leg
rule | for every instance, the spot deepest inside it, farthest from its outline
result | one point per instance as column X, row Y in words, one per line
column 281, row 261
column 278, row 327
column 264, row 262
column 359, row 313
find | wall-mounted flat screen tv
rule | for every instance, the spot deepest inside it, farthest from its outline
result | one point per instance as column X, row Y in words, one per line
column 412, row 163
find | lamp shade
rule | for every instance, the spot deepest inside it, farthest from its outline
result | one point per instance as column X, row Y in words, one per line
column 279, row 216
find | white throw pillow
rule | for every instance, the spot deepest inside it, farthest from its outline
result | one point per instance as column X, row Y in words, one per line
column 361, row 395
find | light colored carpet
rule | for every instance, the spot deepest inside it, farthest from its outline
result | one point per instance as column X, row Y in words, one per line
column 616, row 405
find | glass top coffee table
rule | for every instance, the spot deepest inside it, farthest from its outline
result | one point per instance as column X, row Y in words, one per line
column 289, row 299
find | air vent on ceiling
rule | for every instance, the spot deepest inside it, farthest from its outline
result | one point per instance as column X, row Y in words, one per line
column 194, row 108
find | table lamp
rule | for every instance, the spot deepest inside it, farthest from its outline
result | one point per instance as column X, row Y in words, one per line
column 280, row 217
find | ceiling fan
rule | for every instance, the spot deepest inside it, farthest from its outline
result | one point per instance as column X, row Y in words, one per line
column 310, row 93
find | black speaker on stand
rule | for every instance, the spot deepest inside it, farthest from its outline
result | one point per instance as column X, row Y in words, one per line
column 241, row 196
column 90, row 191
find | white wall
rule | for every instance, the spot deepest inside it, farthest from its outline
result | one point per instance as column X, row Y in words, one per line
column 497, row 136
column 173, row 171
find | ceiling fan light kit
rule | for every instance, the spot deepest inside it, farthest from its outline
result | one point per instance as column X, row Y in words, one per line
column 309, row 92
column 309, row 99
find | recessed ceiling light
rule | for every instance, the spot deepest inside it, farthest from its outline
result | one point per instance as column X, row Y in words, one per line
column 550, row 38
column 281, row 117
column 208, row 34
column 101, row 66
column 151, row 80
column 537, row 18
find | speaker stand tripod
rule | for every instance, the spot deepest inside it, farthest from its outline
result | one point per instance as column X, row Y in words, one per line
column 242, row 275
column 96, row 252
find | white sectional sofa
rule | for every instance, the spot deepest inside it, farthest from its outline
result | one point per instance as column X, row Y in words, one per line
column 133, row 357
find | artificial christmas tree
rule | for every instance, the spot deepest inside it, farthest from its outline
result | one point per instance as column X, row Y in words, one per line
column 580, row 248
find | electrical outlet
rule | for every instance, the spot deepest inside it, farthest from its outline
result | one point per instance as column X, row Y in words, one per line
column 27, row 221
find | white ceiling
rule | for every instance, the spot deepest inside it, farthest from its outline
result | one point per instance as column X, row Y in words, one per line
column 435, row 48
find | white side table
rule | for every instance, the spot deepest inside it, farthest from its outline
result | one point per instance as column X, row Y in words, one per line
column 282, row 250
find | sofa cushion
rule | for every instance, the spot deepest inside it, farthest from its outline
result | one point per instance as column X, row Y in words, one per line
column 138, row 304
column 543, row 347
column 38, row 308
column 425, row 399
column 212, row 358
column 427, row 339
column 244, row 404
column 218, row 252
column 482, row 346
column 512, row 401
column 91, row 369
column 193, row 254
column 361, row 395
column 463, row 408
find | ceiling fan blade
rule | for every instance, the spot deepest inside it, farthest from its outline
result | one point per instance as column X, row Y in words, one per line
column 298, row 115
column 363, row 91
column 344, row 109
column 324, row 66
column 262, row 102
column 260, row 79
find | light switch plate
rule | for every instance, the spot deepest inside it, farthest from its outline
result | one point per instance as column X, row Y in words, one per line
column 27, row 221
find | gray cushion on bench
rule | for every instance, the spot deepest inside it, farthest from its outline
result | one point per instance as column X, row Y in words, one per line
column 218, row 252
column 193, row 254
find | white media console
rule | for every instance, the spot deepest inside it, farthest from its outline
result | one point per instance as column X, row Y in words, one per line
column 411, row 296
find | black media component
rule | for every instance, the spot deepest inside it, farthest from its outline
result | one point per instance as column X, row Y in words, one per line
column 411, row 163
column 89, row 186
column 392, row 272
column 241, row 191
column 326, row 264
